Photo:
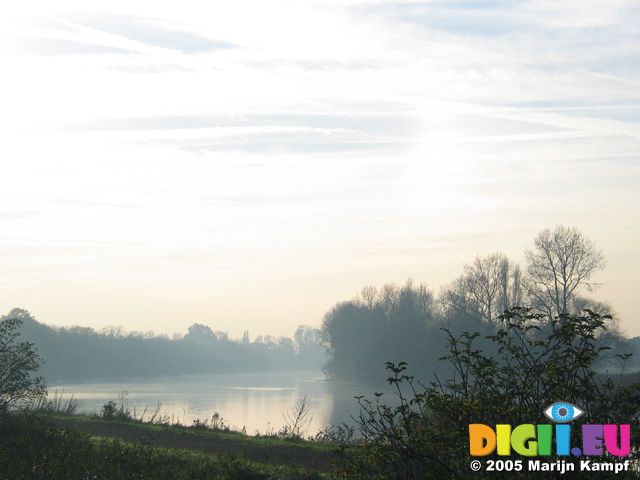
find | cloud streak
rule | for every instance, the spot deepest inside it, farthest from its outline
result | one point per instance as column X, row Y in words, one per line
column 54, row 46
column 150, row 31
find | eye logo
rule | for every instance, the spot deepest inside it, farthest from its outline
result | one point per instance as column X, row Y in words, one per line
column 562, row 412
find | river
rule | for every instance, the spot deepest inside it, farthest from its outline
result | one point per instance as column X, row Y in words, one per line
column 257, row 402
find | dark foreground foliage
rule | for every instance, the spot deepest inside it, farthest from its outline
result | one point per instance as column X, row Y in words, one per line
column 19, row 363
column 424, row 433
column 33, row 449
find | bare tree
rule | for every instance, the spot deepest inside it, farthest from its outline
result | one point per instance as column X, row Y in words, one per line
column 297, row 418
column 561, row 262
column 369, row 296
column 488, row 286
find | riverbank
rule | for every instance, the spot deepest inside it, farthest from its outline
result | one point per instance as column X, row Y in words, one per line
column 74, row 446
column 262, row 449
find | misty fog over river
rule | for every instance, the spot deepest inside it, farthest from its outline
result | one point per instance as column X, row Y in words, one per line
column 255, row 401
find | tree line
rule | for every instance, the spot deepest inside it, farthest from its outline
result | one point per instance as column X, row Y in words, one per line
column 83, row 354
column 404, row 323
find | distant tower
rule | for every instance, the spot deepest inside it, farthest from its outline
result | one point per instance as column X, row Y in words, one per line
column 245, row 338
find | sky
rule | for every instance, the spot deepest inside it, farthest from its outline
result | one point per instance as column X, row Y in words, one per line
column 248, row 164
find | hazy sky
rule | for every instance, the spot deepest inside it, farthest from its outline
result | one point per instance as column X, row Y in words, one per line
column 249, row 164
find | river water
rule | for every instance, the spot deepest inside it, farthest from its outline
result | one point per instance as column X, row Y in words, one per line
column 257, row 402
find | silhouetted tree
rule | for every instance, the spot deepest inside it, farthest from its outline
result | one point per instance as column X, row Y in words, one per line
column 19, row 363
column 559, row 265
column 391, row 323
column 489, row 286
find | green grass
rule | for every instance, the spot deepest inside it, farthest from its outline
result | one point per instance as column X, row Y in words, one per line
column 33, row 448
column 210, row 462
column 258, row 440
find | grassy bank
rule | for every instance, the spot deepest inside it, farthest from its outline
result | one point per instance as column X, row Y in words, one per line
column 69, row 447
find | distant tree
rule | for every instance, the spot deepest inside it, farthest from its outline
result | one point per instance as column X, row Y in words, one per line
column 395, row 322
column 203, row 334
column 112, row 331
column 559, row 265
column 285, row 344
column 221, row 336
column 489, row 286
column 349, row 334
column 80, row 353
column 19, row 363
column 199, row 331
column 308, row 347
column 307, row 338
column 368, row 296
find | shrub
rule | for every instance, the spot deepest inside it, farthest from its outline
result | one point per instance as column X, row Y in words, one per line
column 424, row 435
column 112, row 411
column 56, row 405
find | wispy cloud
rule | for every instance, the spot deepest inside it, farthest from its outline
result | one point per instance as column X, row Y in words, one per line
column 55, row 46
column 17, row 214
column 150, row 31
column 90, row 204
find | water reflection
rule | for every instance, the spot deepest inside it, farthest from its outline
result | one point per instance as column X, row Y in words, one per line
column 254, row 401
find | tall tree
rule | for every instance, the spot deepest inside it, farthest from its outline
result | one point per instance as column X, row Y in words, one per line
column 489, row 286
column 559, row 265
